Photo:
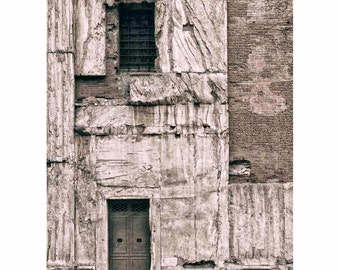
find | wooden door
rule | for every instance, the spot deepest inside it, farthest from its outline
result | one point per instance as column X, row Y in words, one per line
column 129, row 235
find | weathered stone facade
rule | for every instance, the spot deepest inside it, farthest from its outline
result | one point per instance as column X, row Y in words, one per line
column 207, row 138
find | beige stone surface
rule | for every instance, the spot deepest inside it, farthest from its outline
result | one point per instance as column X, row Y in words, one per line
column 85, row 191
column 288, row 187
column 165, row 136
column 101, row 232
column 178, row 228
column 155, row 224
column 60, row 215
column 85, row 219
column 257, row 219
column 199, row 35
column 207, row 226
column 207, row 164
column 174, row 88
column 152, row 120
column 184, row 172
column 90, row 35
column 162, row 32
column 59, row 26
column 60, row 111
column 177, row 161
column 128, row 162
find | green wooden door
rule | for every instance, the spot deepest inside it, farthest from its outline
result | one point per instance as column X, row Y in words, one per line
column 129, row 235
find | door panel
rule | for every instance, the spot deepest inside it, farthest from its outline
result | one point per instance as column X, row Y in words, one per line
column 129, row 235
column 140, row 264
column 140, row 234
column 119, row 264
column 119, row 239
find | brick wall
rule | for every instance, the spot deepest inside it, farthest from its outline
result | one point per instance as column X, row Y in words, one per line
column 260, row 87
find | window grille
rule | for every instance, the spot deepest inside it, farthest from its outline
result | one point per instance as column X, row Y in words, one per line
column 140, row 206
column 129, row 205
column 119, row 206
column 137, row 39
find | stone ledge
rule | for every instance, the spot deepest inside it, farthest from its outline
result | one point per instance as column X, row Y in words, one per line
column 152, row 120
column 172, row 88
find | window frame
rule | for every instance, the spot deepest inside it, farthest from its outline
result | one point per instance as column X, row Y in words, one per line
column 151, row 48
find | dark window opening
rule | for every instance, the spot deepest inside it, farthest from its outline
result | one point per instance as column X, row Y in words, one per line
column 137, row 37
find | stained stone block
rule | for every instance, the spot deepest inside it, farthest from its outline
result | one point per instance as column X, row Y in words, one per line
column 256, row 216
column 171, row 88
column 60, row 215
column 178, row 228
column 199, row 38
column 59, row 26
column 152, row 120
column 60, row 112
column 128, row 162
column 90, row 35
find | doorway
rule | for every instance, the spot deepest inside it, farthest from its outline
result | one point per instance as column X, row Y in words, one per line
column 129, row 234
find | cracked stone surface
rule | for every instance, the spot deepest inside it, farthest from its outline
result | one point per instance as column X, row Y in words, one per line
column 219, row 106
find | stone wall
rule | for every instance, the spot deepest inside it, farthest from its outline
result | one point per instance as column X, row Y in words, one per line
column 60, row 136
column 162, row 136
column 221, row 98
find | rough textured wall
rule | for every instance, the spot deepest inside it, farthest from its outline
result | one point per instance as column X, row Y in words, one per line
column 260, row 123
column 60, row 136
column 162, row 136
column 165, row 135
column 191, row 40
column 60, row 216
column 260, row 87
column 89, row 37
column 256, row 215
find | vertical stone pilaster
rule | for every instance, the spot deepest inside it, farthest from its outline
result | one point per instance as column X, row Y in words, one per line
column 60, row 115
column 60, row 136
column 60, row 26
